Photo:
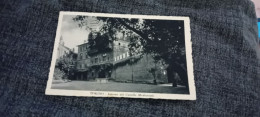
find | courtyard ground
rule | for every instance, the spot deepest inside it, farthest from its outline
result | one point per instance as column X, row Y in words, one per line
column 119, row 87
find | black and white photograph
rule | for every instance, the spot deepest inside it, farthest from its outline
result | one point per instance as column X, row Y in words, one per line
column 119, row 55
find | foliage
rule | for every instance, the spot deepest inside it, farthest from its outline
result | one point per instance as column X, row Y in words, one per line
column 58, row 74
column 163, row 39
column 99, row 43
column 66, row 63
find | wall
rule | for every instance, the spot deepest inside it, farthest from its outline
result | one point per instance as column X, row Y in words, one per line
column 140, row 71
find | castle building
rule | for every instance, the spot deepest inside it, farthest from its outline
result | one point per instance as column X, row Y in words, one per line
column 105, row 57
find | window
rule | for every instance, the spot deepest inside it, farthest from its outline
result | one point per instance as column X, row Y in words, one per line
column 80, row 56
column 96, row 60
column 104, row 58
column 78, row 66
column 86, row 55
column 82, row 65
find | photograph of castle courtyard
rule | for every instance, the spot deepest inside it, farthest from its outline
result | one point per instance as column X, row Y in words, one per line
column 98, row 53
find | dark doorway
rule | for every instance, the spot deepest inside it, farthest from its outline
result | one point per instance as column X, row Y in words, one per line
column 85, row 74
column 102, row 74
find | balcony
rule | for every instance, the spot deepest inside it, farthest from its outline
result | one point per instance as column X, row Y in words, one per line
column 97, row 50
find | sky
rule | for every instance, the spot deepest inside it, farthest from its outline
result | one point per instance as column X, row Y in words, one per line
column 71, row 33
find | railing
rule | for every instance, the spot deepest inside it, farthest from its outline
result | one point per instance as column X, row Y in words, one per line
column 100, row 63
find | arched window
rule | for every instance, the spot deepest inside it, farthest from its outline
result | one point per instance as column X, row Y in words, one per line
column 86, row 55
column 80, row 56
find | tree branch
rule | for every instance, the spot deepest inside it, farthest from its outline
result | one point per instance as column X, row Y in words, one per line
column 144, row 36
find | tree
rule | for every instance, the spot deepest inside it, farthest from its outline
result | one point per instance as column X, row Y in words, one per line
column 66, row 64
column 99, row 43
column 164, row 39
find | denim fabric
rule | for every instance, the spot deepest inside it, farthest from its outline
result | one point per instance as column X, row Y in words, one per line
column 225, row 52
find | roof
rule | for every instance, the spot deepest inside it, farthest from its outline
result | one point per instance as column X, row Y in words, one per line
column 68, row 48
column 83, row 44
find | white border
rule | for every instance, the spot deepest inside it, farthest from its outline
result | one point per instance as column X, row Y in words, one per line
column 188, row 48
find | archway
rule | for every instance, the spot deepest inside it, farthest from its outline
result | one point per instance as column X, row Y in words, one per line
column 102, row 74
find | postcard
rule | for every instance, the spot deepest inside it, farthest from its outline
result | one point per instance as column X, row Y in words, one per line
column 123, row 56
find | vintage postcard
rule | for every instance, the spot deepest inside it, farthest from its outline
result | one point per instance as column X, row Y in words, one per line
column 121, row 55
